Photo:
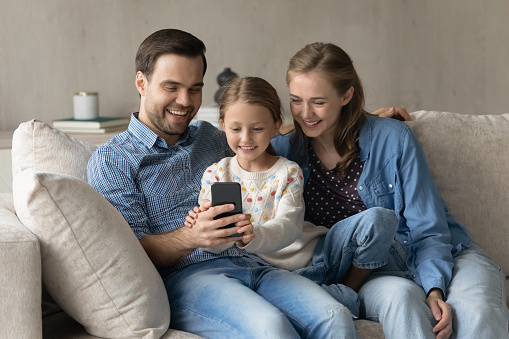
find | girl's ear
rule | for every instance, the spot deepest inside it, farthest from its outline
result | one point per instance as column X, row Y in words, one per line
column 348, row 96
column 277, row 126
column 222, row 124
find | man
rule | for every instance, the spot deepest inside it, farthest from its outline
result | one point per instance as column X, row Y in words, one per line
column 151, row 173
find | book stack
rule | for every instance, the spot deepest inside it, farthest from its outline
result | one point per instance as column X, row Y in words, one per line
column 99, row 125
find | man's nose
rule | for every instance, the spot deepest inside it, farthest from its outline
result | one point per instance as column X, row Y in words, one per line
column 183, row 98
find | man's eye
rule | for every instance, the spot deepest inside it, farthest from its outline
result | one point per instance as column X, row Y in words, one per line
column 171, row 89
column 319, row 103
column 195, row 90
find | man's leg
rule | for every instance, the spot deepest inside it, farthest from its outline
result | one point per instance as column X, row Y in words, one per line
column 362, row 240
column 313, row 312
column 477, row 296
column 214, row 299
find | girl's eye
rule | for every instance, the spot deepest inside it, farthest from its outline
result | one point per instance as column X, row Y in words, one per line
column 235, row 129
column 259, row 129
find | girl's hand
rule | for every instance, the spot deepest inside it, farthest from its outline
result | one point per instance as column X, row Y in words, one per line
column 441, row 312
column 192, row 215
column 247, row 229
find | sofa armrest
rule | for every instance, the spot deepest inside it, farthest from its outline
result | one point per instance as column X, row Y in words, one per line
column 20, row 278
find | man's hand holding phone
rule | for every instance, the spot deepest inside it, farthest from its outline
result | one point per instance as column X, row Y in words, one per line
column 202, row 217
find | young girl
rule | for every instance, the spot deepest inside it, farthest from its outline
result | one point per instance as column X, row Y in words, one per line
column 250, row 114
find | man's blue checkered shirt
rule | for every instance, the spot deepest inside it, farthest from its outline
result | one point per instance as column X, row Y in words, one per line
column 154, row 185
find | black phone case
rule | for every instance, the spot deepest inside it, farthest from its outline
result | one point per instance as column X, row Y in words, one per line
column 227, row 193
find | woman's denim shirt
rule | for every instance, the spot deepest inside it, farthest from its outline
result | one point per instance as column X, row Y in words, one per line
column 396, row 176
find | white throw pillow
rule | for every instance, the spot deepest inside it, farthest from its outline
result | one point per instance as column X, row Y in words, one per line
column 92, row 264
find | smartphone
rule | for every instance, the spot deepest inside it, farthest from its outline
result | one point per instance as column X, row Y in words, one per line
column 227, row 193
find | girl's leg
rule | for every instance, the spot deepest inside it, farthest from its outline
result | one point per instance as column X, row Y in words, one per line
column 477, row 296
column 214, row 299
column 362, row 240
column 312, row 311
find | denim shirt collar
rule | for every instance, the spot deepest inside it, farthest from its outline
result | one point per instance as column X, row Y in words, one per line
column 366, row 137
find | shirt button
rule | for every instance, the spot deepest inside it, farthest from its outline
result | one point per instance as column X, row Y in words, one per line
column 405, row 241
column 390, row 185
column 187, row 166
column 196, row 191
column 361, row 188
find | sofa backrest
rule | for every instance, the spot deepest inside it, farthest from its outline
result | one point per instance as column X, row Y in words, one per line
column 469, row 158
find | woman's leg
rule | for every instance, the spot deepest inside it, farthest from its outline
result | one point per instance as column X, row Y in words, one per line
column 214, row 299
column 477, row 296
column 362, row 240
column 393, row 299
column 312, row 311
column 399, row 305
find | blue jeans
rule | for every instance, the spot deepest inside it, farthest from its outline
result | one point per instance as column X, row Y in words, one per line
column 476, row 295
column 236, row 297
column 363, row 240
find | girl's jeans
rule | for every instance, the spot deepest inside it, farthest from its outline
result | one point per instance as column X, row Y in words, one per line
column 476, row 295
column 236, row 297
column 363, row 240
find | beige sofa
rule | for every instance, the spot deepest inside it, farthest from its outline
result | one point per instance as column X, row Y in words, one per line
column 57, row 232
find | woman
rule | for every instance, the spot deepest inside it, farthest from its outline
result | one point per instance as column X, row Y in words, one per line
column 434, row 270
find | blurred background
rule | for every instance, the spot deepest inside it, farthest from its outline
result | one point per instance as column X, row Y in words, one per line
column 450, row 55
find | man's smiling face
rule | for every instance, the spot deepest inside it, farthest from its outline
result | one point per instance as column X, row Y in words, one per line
column 172, row 95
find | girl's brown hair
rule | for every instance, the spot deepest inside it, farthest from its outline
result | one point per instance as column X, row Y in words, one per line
column 254, row 91
column 334, row 64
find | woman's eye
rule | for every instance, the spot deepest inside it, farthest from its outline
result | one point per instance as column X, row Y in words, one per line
column 295, row 101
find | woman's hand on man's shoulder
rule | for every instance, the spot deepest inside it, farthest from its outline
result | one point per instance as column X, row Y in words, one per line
column 398, row 113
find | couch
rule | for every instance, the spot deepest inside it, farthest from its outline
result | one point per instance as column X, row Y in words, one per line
column 72, row 268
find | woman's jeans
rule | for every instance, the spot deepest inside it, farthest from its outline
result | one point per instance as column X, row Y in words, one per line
column 476, row 295
column 363, row 240
column 236, row 297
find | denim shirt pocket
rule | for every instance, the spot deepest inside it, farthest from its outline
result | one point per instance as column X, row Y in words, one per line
column 384, row 192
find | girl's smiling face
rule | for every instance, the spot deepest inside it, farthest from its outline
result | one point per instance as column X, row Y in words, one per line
column 249, row 128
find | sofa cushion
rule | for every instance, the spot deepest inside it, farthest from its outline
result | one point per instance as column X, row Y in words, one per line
column 469, row 158
column 37, row 145
column 92, row 264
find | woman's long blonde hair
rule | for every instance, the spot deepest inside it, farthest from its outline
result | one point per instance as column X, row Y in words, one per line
column 334, row 64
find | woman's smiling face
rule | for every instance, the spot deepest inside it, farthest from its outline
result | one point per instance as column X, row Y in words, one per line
column 315, row 104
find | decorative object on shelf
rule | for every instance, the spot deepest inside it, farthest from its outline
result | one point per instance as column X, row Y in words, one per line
column 222, row 78
column 98, row 125
column 86, row 105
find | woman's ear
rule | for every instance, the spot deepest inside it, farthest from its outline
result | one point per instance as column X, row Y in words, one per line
column 141, row 83
column 348, row 96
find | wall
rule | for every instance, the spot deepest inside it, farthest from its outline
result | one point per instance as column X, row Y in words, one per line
column 438, row 55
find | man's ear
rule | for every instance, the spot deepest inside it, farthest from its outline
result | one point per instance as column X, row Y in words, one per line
column 348, row 96
column 141, row 83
